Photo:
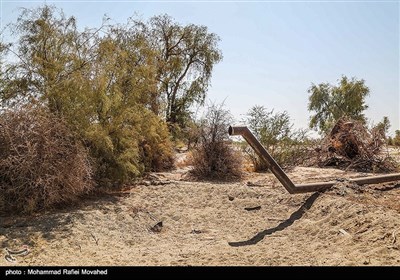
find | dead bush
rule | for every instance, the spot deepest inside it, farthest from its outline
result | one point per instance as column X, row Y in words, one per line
column 42, row 163
column 214, row 157
column 216, row 161
column 351, row 145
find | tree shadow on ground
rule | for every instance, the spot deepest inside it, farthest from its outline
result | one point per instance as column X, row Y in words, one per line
column 25, row 229
column 295, row 216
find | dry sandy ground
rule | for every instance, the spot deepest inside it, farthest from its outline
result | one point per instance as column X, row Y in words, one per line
column 206, row 224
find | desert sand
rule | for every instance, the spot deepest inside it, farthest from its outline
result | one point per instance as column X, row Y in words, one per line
column 206, row 223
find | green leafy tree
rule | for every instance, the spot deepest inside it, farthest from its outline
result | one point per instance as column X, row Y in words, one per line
column 50, row 53
column 121, row 77
column 101, row 85
column 383, row 126
column 186, row 55
column 396, row 139
column 329, row 102
column 269, row 127
column 275, row 132
column 113, row 84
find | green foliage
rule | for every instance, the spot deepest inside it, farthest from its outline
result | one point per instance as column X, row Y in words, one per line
column 275, row 132
column 330, row 103
column 213, row 157
column 123, row 76
column 112, row 84
column 103, row 86
column 186, row 56
column 155, row 144
column 383, row 126
column 396, row 139
column 49, row 52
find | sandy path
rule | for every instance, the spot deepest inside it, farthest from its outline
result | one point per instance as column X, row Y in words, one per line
column 206, row 224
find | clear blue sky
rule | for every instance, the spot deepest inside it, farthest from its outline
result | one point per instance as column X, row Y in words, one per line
column 273, row 51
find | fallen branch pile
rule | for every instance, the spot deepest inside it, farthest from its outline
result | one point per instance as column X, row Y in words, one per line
column 350, row 145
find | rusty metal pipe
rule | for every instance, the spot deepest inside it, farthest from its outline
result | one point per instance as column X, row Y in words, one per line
column 262, row 153
column 285, row 180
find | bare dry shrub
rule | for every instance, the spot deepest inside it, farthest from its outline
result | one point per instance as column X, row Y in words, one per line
column 216, row 161
column 214, row 157
column 42, row 163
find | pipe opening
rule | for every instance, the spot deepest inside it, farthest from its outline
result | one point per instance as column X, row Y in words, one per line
column 230, row 130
